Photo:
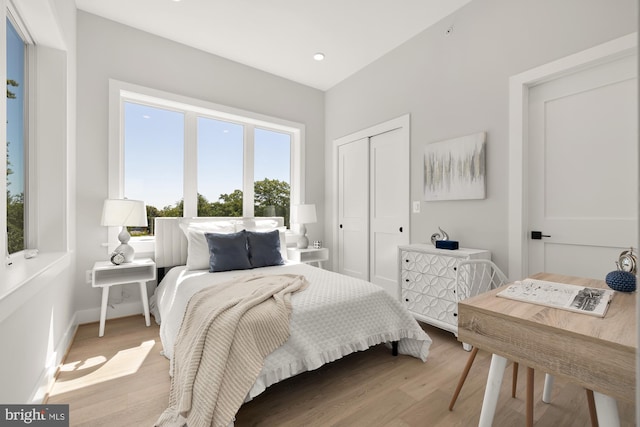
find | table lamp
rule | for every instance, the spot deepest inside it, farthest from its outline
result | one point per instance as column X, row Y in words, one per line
column 123, row 213
column 301, row 215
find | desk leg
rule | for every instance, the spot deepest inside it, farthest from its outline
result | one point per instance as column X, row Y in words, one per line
column 491, row 393
column 548, row 388
column 145, row 302
column 530, row 378
column 607, row 409
column 103, row 309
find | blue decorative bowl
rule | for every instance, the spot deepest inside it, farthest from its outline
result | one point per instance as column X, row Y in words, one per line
column 622, row 281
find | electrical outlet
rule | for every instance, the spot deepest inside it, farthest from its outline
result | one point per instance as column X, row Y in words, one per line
column 88, row 276
column 416, row 207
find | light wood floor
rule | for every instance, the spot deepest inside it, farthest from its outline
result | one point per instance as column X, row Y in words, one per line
column 122, row 379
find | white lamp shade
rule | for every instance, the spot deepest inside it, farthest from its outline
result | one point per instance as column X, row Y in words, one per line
column 303, row 214
column 124, row 212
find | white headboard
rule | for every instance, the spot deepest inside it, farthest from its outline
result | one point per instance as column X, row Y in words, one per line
column 171, row 243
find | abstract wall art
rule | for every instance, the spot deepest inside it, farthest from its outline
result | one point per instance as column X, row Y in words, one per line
column 454, row 169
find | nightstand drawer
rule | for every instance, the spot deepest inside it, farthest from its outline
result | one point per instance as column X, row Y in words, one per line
column 308, row 255
column 106, row 274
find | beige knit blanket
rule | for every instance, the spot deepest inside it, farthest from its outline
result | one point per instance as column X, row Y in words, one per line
column 226, row 333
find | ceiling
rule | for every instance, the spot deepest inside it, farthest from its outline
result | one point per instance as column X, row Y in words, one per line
column 281, row 36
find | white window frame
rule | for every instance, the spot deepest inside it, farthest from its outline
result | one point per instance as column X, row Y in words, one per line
column 29, row 170
column 121, row 92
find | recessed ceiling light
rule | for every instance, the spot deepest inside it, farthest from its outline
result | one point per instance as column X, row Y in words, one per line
column 318, row 56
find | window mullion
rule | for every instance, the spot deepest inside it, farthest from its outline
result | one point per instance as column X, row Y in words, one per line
column 248, row 181
column 31, row 229
column 190, row 165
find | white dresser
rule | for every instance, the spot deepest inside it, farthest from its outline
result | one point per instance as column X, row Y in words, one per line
column 427, row 282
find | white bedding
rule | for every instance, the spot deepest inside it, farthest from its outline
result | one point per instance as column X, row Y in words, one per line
column 335, row 316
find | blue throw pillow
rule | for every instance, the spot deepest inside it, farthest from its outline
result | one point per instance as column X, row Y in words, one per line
column 264, row 248
column 228, row 251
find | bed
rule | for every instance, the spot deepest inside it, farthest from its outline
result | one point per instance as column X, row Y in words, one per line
column 335, row 316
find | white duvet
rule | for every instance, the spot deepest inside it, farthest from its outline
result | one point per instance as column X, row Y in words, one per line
column 335, row 316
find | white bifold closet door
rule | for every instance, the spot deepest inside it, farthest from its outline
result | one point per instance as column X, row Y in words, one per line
column 353, row 209
column 373, row 206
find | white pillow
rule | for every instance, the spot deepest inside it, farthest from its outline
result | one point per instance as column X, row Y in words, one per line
column 197, row 247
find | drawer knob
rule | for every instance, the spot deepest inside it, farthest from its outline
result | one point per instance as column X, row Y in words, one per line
column 455, row 314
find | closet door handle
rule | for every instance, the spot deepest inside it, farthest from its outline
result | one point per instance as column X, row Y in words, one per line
column 340, row 225
column 401, row 229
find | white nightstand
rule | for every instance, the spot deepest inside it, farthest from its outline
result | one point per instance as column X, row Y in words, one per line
column 105, row 274
column 308, row 255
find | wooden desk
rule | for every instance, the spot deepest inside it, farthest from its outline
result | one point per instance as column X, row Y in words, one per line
column 596, row 353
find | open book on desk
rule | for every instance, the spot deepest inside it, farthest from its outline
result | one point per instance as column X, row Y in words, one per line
column 580, row 299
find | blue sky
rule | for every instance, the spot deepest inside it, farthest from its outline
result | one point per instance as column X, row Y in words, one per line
column 15, row 108
column 154, row 155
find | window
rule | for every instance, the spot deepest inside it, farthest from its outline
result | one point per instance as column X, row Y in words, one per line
column 193, row 158
column 16, row 139
column 153, row 160
column 220, row 168
column 272, row 173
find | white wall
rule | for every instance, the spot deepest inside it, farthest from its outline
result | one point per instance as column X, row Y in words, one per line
column 106, row 50
column 457, row 84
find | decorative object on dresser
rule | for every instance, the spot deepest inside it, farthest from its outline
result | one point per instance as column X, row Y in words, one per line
column 427, row 283
column 302, row 215
column 123, row 213
column 441, row 241
column 439, row 236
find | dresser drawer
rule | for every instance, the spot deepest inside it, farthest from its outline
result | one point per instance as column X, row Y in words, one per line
column 435, row 265
column 430, row 307
column 434, row 286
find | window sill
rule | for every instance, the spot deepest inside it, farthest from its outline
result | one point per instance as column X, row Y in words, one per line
column 26, row 277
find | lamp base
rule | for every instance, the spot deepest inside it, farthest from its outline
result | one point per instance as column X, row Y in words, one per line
column 124, row 248
column 303, row 242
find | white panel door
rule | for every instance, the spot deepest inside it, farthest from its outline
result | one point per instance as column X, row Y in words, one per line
column 353, row 209
column 583, row 169
column 389, row 206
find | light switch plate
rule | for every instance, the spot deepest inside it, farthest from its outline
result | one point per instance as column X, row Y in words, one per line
column 416, row 207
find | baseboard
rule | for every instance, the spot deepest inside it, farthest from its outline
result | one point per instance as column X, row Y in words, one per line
column 48, row 376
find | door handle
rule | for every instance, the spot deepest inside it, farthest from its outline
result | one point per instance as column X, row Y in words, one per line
column 537, row 235
column 401, row 229
column 340, row 225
